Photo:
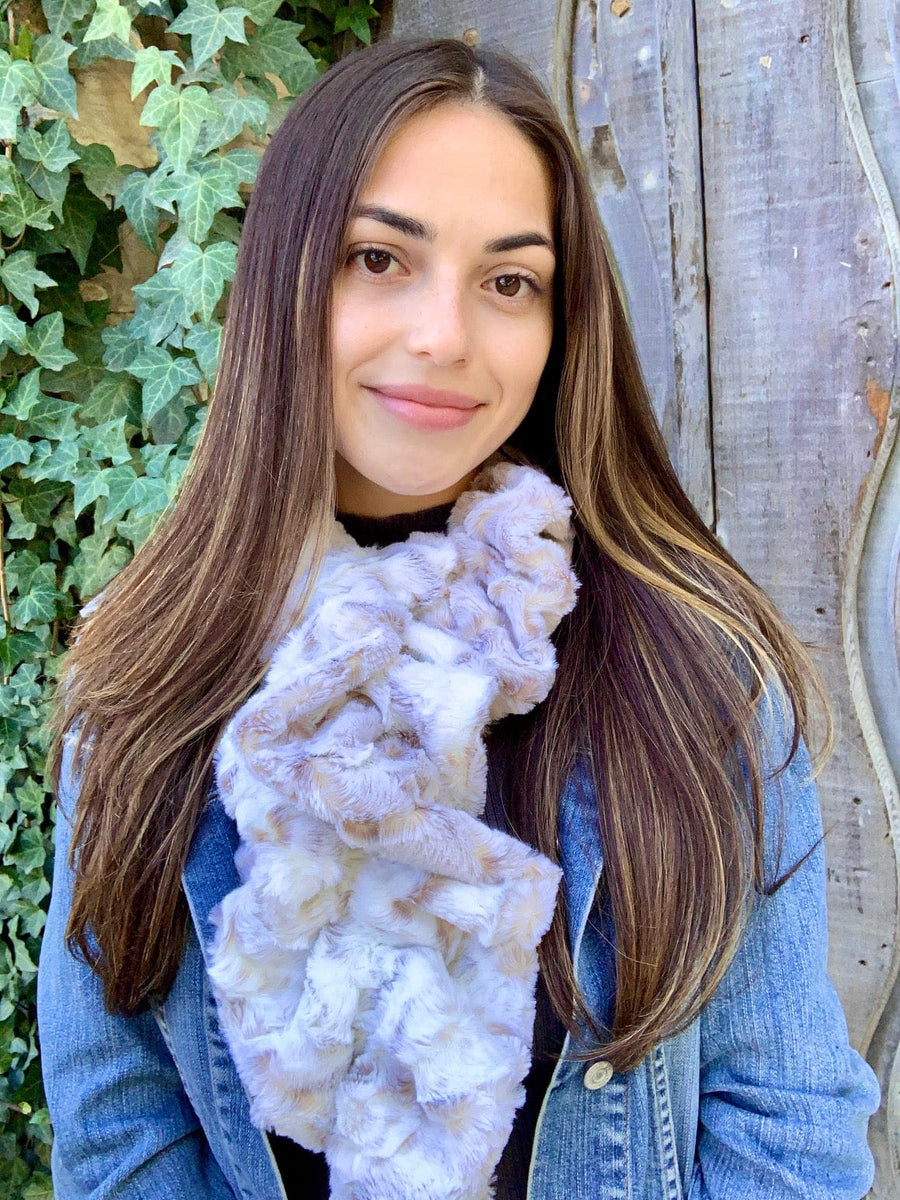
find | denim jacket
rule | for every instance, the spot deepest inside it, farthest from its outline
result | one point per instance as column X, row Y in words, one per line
column 760, row 1098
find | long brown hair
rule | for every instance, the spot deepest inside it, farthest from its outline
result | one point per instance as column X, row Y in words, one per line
column 661, row 664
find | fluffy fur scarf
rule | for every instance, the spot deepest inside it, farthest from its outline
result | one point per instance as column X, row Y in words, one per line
column 375, row 970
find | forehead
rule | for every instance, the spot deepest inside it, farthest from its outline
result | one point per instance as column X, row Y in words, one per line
column 462, row 162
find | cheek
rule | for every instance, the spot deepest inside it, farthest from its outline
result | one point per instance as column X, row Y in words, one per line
column 520, row 357
column 357, row 331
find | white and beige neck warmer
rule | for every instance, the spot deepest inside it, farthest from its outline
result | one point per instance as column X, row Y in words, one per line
column 375, row 970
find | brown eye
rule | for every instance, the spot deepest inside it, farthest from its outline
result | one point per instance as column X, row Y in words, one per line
column 508, row 285
column 376, row 261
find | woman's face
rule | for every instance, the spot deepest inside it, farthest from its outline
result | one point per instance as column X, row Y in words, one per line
column 442, row 310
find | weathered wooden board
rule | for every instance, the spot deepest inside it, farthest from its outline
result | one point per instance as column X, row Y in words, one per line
column 635, row 105
column 868, row 61
column 526, row 30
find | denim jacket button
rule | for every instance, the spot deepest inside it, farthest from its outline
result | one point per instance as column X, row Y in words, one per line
column 598, row 1075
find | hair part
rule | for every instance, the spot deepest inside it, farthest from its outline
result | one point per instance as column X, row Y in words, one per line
column 661, row 665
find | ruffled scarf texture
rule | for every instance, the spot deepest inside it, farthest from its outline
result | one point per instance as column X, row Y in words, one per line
column 375, row 970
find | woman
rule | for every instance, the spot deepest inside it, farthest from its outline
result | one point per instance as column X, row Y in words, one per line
column 302, row 901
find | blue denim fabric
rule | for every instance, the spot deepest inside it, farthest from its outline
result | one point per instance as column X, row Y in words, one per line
column 760, row 1098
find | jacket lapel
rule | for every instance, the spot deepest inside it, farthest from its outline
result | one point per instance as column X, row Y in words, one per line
column 580, row 852
column 209, row 873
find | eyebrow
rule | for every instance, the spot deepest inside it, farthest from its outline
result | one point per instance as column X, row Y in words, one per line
column 419, row 229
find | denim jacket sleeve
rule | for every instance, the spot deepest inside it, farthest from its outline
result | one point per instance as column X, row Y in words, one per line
column 784, row 1099
column 123, row 1126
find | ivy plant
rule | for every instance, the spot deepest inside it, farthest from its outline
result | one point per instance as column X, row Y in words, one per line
column 131, row 137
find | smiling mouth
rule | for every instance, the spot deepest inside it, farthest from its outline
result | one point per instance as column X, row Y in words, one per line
column 427, row 408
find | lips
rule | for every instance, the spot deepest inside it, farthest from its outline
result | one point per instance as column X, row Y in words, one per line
column 435, row 397
column 426, row 408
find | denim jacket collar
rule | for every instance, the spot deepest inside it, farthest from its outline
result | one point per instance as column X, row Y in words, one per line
column 210, row 872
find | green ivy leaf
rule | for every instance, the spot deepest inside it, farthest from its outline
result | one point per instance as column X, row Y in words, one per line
column 163, row 185
column 178, row 117
column 110, row 20
column 55, row 85
column 25, row 685
column 243, row 164
column 205, row 342
column 100, row 172
column 107, row 441
column 13, row 450
column 63, row 14
column 259, row 11
column 203, row 194
column 90, row 483
column 267, row 92
column 24, row 396
column 129, row 491
column 29, row 856
column 273, row 49
column 18, row 89
column 39, row 602
column 23, row 47
column 81, row 211
column 49, row 185
column 7, row 171
column 139, row 208
column 115, row 395
column 21, row 277
column 64, row 526
column 18, row 528
column 47, row 416
column 163, row 376
column 237, row 110
column 106, row 47
column 202, row 275
column 170, row 423
column 20, row 568
column 12, row 330
column 52, row 149
column 14, row 649
column 209, row 26
column 120, row 347
column 152, row 65
column 136, row 530
column 49, row 462
column 155, row 459
column 20, row 207
column 52, row 418
column 356, row 17
column 97, row 561
column 44, row 342
column 164, row 310
column 37, row 500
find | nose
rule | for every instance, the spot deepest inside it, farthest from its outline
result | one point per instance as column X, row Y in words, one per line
column 438, row 322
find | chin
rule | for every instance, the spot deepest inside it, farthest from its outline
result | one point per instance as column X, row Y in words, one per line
column 414, row 484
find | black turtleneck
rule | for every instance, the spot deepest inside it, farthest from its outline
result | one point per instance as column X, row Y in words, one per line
column 305, row 1175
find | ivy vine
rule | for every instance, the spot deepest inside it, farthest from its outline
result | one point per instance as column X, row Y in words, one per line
column 131, row 136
